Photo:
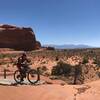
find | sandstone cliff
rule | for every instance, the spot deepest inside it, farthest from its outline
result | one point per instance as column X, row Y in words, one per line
column 18, row 38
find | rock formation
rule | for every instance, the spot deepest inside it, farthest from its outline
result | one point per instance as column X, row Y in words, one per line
column 18, row 38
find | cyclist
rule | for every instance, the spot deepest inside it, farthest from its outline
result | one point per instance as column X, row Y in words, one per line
column 22, row 65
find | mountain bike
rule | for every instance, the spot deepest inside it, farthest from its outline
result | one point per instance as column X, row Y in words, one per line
column 31, row 75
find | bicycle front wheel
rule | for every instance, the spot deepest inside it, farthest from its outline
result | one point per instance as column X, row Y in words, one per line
column 33, row 76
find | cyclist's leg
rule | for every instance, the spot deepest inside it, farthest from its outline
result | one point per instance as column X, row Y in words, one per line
column 22, row 73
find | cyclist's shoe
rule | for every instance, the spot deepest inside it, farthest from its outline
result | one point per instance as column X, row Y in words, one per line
column 22, row 80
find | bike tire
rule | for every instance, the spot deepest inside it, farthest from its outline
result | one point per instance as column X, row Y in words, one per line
column 36, row 76
column 15, row 78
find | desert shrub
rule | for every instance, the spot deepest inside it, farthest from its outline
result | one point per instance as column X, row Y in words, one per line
column 78, row 69
column 61, row 69
column 85, row 60
column 98, row 73
column 68, row 73
column 43, row 70
column 78, row 77
column 96, row 61
column 2, row 56
column 7, row 55
column 57, row 58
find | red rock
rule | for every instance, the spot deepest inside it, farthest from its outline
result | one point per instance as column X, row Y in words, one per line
column 17, row 38
column 37, row 45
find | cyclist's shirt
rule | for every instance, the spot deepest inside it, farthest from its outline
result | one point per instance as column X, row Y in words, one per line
column 22, row 62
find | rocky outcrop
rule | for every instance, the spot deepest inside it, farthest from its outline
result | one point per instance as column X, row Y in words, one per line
column 18, row 38
column 37, row 45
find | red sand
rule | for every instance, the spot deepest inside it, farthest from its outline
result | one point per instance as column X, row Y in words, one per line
column 43, row 92
column 90, row 91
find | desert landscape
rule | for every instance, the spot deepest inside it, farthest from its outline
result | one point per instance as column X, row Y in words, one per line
column 56, row 86
column 49, row 49
column 67, row 74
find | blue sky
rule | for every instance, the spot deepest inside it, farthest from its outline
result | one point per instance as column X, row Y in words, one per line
column 56, row 21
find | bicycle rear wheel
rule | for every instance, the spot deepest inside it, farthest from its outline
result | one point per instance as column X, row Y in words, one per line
column 17, row 76
column 33, row 76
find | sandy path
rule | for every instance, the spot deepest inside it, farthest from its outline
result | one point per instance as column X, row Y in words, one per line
column 89, row 91
column 43, row 92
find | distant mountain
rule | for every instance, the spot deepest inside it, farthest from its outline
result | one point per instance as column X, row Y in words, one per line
column 68, row 46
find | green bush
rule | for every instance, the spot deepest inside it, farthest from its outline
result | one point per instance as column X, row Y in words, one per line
column 97, row 61
column 85, row 60
column 68, row 73
column 61, row 69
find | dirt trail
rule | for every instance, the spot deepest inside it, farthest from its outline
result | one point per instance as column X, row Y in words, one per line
column 89, row 91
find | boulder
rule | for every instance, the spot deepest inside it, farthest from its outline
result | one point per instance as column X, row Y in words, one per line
column 18, row 38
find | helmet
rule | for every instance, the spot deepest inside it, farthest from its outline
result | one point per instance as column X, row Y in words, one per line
column 24, row 54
